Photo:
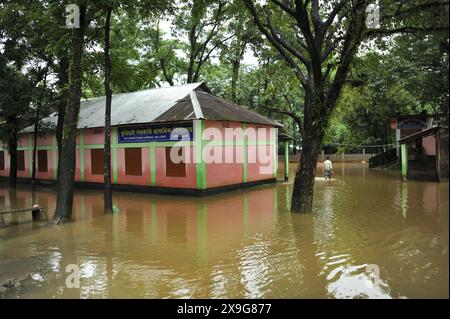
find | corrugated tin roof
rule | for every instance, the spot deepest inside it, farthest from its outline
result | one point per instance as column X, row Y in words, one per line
column 168, row 104
column 413, row 137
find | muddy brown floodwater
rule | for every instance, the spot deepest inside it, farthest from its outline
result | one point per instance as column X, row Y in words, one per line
column 239, row 244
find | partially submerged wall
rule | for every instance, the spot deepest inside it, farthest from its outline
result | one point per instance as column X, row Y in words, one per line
column 149, row 164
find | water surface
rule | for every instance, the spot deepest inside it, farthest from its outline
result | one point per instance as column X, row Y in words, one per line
column 239, row 244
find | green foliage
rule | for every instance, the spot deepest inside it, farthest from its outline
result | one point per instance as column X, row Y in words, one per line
column 15, row 97
column 409, row 76
column 404, row 73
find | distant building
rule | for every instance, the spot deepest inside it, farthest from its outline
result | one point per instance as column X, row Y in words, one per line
column 406, row 125
column 423, row 152
column 141, row 126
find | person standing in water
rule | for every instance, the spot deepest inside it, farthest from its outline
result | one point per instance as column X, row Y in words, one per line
column 328, row 168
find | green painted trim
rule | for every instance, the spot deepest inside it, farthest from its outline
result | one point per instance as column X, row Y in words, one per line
column 81, row 148
column 169, row 144
column 199, row 126
column 55, row 160
column 244, row 161
column 152, row 165
column 404, row 155
column 91, row 146
column 114, row 153
column 45, row 148
column 286, row 160
column 235, row 143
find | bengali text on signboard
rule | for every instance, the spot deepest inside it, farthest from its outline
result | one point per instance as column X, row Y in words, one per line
column 153, row 133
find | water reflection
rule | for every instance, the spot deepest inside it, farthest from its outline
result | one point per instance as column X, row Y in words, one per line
column 239, row 244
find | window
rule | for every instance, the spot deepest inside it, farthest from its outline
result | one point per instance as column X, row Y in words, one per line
column 97, row 161
column 133, row 161
column 42, row 161
column 174, row 169
column 2, row 161
column 20, row 160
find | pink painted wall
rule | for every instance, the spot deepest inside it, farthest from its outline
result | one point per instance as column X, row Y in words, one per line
column 217, row 174
column 429, row 145
column 233, row 173
column 263, row 167
column 226, row 173
column 93, row 136
column 44, row 141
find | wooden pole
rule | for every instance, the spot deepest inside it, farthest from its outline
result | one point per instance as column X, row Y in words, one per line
column 286, row 161
column 404, row 154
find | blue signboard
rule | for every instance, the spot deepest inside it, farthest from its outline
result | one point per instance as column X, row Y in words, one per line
column 412, row 124
column 155, row 133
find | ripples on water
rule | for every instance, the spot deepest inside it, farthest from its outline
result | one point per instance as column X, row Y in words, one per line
column 240, row 244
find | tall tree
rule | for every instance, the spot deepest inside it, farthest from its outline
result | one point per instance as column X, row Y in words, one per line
column 203, row 21
column 15, row 98
column 66, row 163
column 245, row 33
column 319, row 41
column 107, row 150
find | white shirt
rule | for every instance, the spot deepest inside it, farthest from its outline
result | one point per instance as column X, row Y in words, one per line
column 327, row 165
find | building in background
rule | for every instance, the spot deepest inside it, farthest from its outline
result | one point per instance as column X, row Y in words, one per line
column 140, row 144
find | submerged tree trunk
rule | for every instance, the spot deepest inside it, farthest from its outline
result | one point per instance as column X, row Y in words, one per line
column 66, row 162
column 107, row 150
column 35, row 135
column 12, row 149
column 303, row 189
column 319, row 43
column 63, row 80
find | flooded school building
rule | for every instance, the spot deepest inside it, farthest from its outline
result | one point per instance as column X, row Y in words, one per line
column 421, row 150
column 142, row 123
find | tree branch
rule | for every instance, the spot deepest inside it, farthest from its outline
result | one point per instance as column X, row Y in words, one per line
column 334, row 12
column 289, row 47
column 405, row 29
column 298, row 72
column 312, row 43
column 294, row 116
column 285, row 7
column 415, row 8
